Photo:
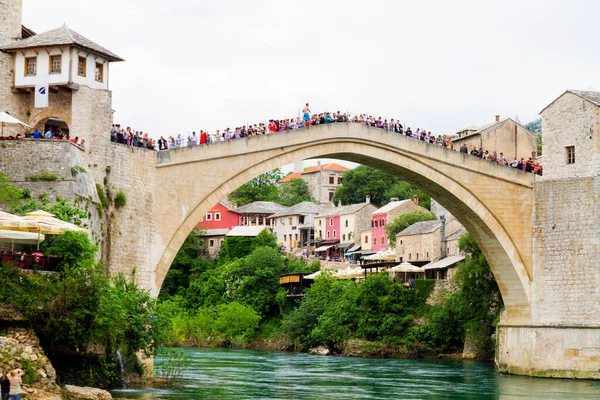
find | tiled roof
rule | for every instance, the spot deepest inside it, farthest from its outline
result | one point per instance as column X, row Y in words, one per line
column 593, row 97
column 444, row 262
column 344, row 210
column 261, row 207
column 315, row 168
column 422, row 227
column 389, row 207
column 62, row 36
column 304, row 208
column 456, row 235
column 293, row 175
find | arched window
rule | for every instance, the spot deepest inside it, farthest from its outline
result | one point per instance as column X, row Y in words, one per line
column 366, row 239
column 350, row 236
column 374, row 241
column 383, row 240
column 382, row 222
column 346, row 223
column 375, row 222
column 328, row 233
column 334, row 234
column 330, row 221
column 344, row 237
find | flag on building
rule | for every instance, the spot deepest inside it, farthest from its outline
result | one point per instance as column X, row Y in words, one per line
column 41, row 92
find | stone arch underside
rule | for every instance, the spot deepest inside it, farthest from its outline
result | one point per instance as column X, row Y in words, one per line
column 46, row 113
column 498, row 243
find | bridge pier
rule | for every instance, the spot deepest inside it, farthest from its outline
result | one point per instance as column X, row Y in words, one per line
column 549, row 351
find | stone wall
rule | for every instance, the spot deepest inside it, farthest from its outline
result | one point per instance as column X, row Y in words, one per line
column 424, row 247
column 571, row 121
column 20, row 348
column 507, row 137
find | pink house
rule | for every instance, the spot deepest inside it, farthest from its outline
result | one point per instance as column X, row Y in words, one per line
column 388, row 213
column 378, row 234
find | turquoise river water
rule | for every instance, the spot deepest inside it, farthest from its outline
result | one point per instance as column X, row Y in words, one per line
column 248, row 374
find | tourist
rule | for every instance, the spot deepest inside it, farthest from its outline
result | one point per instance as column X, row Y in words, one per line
column 178, row 140
column 464, row 149
column 162, row 144
column 5, row 385
column 82, row 143
column 36, row 134
column 49, row 134
column 14, row 379
column 306, row 115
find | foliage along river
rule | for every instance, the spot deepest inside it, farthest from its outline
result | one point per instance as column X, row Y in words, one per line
column 249, row 374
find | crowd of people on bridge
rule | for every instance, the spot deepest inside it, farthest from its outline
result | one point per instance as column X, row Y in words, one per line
column 131, row 137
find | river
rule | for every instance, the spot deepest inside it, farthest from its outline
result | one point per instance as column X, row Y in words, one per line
column 249, row 374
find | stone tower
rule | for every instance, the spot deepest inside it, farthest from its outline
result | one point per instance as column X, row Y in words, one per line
column 10, row 31
column 564, row 337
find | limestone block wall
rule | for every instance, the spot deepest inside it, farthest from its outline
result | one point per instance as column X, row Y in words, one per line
column 423, row 247
column 566, row 244
column 130, row 229
column 571, row 121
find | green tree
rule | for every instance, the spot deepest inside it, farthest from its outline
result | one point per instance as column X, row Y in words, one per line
column 72, row 249
column 261, row 188
column 469, row 313
column 404, row 221
column 188, row 259
column 294, row 192
column 365, row 181
column 234, row 247
column 404, row 190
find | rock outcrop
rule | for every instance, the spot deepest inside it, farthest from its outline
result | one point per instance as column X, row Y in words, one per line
column 20, row 348
column 84, row 393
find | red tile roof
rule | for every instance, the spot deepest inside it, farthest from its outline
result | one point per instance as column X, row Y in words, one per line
column 327, row 167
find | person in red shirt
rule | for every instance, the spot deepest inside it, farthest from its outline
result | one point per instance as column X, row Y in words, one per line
column 202, row 137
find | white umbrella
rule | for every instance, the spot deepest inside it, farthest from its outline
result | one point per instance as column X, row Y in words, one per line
column 20, row 237
column 8, row 120
column 406, row 267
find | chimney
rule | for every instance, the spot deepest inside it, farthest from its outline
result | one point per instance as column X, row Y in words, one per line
column 416, row 199
column 368, row 199
column 339, row 203
column 443, row 244
column 394, row 199
column 497, row 118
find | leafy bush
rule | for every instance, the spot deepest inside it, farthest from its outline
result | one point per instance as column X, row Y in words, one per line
column 173, row 365
column 120, row 199
column 102, row 195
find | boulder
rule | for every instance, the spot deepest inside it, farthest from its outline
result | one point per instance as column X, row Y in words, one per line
column 85, row 393
column 319, row 351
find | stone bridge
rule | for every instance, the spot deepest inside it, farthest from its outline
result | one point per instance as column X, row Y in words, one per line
column 493, row 202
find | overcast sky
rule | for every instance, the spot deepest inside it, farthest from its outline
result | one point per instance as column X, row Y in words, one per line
column 438, row 65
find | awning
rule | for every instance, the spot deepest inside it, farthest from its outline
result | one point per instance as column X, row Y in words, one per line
column 323, row 248
column 354, row 248
column 20, row 237
column 444, row 262
column 329, row 241
column 344, row 245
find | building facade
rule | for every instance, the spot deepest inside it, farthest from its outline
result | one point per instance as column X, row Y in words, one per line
column 222, row 216
column 506, row 136
column 73, row 72
column 388, row 213
column 422, row 242
column 322, row 180
column 294, row 227
column 258, row 212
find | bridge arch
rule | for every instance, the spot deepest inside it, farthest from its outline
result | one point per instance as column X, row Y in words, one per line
column 494, row 203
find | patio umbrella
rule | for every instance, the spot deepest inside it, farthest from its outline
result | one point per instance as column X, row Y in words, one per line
column 19, row 238
column 407, row 268
column 40, row 222
column 8, row 120
column 386, row 255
